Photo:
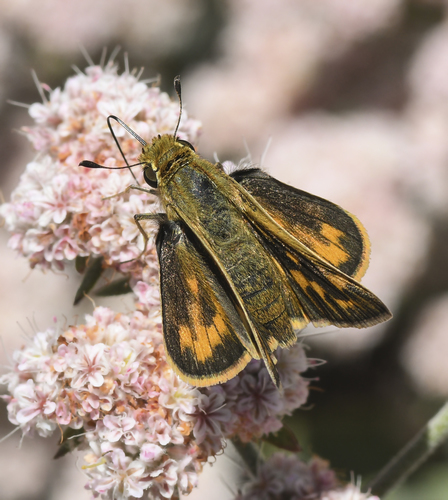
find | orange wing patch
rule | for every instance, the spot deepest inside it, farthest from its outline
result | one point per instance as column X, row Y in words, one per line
column 206, row 341
column 330, row 231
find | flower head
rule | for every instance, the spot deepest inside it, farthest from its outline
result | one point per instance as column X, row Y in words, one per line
column 256, row 404
column 146, row 430
column 59, row 210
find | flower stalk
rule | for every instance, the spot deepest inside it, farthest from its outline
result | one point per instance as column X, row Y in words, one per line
column 413, row 454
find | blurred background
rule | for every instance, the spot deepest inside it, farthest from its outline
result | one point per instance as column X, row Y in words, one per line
column 352, row 99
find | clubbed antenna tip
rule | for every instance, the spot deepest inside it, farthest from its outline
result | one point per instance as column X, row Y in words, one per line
column 177, row 86
column 178, row 89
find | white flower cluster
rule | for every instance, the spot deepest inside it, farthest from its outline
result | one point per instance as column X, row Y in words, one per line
column 146, row 430
column 349, row 492
column 257, row 406
column 59, row 211
column 110, row 377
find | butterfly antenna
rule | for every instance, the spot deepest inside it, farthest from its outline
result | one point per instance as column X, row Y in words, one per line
column 129, row 131
column 92, row 164
column 178, row 89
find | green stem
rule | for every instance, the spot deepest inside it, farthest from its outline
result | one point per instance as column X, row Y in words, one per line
column 249, row 453
column 412, row 455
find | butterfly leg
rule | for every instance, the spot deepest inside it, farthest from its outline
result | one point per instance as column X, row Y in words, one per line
column 137, row 219
column 132, row 186
column 145, row 190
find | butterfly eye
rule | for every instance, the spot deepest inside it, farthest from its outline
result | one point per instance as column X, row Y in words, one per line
column 185, row 143
column 150, row 177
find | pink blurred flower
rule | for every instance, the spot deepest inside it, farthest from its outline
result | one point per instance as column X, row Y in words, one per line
column 425, row 352
column 283, row 476
column 427, row 119
column 257, row 44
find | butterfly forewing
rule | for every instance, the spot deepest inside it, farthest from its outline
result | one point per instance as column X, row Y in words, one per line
column 331, row 232
column 255, row 282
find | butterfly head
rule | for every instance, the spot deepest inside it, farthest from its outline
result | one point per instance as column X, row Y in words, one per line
column 163, row 157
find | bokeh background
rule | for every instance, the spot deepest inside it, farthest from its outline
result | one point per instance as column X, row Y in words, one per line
column 345, row 99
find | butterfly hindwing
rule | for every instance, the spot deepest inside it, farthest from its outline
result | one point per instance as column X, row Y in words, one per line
column 205, row 338
column 327, row 296
column 327, row 229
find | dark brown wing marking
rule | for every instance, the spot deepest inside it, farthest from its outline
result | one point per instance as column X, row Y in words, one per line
column 206, row 341
column 333, row 233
